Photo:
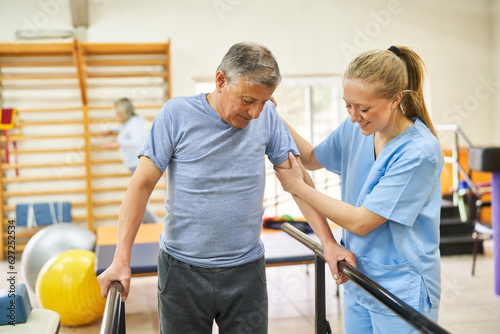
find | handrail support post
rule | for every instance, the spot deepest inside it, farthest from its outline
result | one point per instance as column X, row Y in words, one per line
column 321, row 324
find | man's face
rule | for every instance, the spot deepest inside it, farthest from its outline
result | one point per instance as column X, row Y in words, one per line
column 240, row 102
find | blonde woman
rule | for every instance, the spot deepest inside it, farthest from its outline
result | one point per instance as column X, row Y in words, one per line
column 390, row 161
column 131, row 136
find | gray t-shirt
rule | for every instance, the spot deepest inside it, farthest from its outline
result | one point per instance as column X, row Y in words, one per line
column 215, row 180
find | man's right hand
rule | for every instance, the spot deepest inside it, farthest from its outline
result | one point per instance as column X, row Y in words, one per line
column 115, row 272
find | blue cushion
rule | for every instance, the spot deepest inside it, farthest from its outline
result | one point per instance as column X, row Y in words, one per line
column 44, row 213
column 15, row 305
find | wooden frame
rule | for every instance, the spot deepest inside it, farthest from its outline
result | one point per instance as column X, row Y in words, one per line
column 85, row 70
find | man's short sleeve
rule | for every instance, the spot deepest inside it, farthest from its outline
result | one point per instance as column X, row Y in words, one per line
column 280, row 139
column 159, row 144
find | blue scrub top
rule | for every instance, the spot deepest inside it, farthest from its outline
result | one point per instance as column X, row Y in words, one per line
column 402, row 185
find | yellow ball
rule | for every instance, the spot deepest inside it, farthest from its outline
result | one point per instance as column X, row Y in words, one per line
column 68, row 285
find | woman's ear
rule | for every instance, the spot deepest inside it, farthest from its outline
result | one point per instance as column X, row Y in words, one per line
column 396, row 100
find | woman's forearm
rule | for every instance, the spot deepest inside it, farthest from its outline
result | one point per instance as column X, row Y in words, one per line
column 357, row 220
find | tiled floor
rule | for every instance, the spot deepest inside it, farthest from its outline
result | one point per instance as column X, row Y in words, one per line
column 468, row 303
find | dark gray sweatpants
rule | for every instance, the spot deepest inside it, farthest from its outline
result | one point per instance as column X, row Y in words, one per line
column 190, row 298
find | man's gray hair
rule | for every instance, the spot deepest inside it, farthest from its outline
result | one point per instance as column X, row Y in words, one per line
column 253, row 62
column 126, row 107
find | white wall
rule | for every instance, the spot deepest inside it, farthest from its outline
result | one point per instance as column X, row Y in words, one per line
column 454, row 37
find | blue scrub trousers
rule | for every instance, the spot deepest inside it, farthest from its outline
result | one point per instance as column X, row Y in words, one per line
column 359, row 320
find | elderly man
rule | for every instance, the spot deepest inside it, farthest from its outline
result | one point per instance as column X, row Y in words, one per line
column 211, row 261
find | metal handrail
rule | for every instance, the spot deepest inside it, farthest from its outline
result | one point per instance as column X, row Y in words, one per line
column 458, row 170
column 456, row 129
column 393, row 303
column 113, row 320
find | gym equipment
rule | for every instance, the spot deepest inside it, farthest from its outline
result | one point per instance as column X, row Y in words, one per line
column 68, row 285
column 40, row 321
column 15, row 305
column 17, row 316
column 7, row 118
column 7, row 122
column 487, row 159
column 43, row 214
column 51, row 241
column 275, row 223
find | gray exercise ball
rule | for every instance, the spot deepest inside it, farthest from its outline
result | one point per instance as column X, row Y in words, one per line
column 49, row 242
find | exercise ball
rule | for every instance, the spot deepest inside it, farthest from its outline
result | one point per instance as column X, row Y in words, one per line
column 47, row 243
column 68, row 285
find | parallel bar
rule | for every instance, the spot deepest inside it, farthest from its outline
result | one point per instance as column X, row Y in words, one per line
column 458, row 170
column 396, row 305
column 456, row 129
column 304, row 239
column 113, row 319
